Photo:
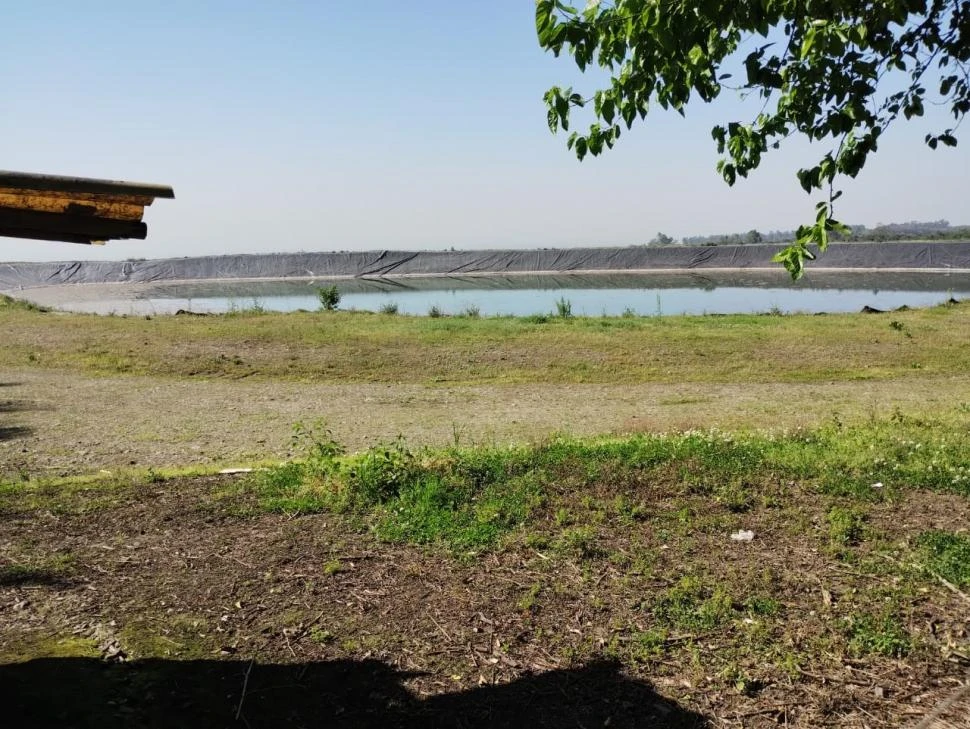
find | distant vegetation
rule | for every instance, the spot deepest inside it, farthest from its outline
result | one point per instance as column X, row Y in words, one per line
column 881, row 233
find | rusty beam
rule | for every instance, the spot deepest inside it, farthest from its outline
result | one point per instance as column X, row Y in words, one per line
column 49, row 203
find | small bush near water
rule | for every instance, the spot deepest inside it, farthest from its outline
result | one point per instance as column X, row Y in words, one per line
column 329, row 298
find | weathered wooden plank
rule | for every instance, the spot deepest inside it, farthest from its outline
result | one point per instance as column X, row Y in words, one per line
column 55, row 183
column 142, row 200
column 83, row 227
column 52, row 204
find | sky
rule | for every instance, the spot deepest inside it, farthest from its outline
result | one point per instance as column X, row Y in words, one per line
column 317, row 126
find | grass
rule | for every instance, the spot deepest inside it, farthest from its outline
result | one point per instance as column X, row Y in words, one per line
column 338, row 346
column 880, row 635
column 469, row 499
column 947, row 555
column 690, row 605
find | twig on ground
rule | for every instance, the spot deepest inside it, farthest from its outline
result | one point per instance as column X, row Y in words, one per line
column 950, row 586
column 242, row 696
column 438, row 625
column 943, row 706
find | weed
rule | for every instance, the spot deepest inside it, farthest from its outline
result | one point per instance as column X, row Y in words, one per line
column 884, row 636
column 947, row 555
column 318, row 443
column 471, row 311
column 735, row 495
column 389, row 307
column 629, row 510
column 563, row 517
column 527, row 603
column 380, row 473
column 255, row 308
column 536, row 319
column 689, row 605
column 321, row 636
column 332, row 567
column 329, row 298
column 435, row 313
column 537, row 540
column 846, row 526
column 629, row 313
column 761, row 606
column 564, row 308
column 467, row 519
column 649, row 645
column 579, row 542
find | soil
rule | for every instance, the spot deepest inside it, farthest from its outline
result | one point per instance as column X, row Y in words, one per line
column 197, row 611
column 60, row 423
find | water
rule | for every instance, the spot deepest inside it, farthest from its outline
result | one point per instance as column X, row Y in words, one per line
column 587, row 294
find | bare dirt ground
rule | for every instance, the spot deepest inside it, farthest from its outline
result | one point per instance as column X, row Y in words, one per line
column 65, row 423
column 269, row 620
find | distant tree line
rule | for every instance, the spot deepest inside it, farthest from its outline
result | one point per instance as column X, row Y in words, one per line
column 913, row 230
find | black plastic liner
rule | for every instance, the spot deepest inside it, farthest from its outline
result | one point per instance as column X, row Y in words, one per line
column 950, row 255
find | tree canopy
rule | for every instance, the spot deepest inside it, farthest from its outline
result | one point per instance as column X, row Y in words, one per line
column 835, row 70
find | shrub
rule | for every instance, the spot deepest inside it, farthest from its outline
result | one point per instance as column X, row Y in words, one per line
column 389, row 307
column 329, row 298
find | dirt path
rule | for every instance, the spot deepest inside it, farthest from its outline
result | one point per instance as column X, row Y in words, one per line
column 58, row 423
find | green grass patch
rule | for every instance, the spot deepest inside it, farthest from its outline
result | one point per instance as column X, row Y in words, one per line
column 468, row 498
column 691, row 605
column 882, row 635
column 946, row 554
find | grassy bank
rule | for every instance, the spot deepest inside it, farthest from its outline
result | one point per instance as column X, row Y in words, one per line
column 356, row 347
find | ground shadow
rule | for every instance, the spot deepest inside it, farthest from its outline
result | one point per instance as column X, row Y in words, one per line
column 12, row 432
column 84, row 692
column 14, row 406
column 20, row 576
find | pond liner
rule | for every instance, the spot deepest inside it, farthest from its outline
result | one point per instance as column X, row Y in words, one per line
column 900, row 256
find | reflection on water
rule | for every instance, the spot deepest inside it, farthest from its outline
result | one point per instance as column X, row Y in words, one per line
column 710, row 292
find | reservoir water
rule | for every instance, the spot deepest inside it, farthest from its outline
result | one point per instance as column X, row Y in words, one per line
column 708, row 292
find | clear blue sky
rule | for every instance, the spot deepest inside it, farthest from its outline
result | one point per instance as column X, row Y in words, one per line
column 361, row 125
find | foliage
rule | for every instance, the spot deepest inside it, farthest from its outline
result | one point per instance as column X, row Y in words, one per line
column 846, row 525
column 329, row 298
column 389, row 307
column 947, row 555
column 564, row 308
column 691, row 605
column 882, row 635
column 841, row 72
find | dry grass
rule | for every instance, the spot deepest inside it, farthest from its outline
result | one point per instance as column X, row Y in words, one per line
column 346, row 347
